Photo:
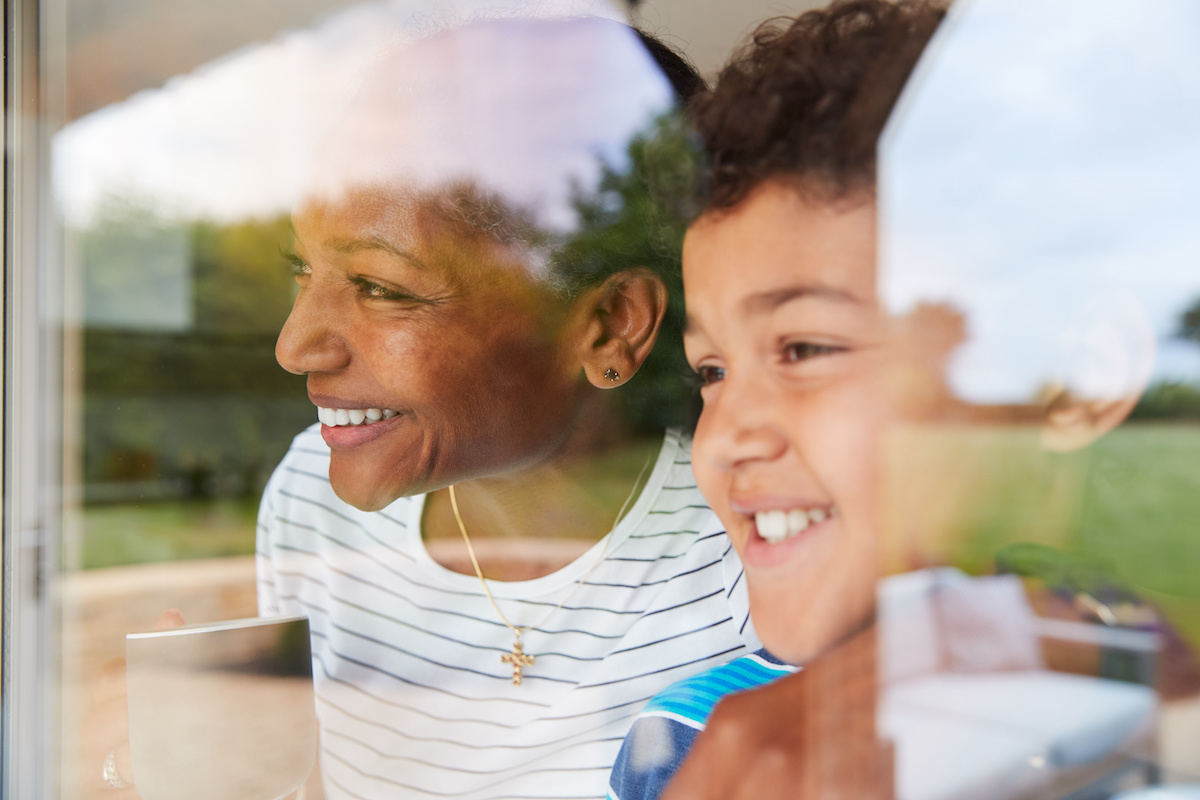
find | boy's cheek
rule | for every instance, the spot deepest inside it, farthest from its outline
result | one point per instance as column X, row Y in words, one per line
column 714, row 484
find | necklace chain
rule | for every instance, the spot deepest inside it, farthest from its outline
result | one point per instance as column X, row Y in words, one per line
column 518, row 658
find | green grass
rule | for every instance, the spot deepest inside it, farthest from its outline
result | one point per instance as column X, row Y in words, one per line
column 1130, row 502
column 162, row 531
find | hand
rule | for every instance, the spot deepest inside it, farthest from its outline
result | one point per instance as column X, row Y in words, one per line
column 810, row 736
column 106, row 730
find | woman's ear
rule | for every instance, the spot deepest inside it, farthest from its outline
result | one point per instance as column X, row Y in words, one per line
column 623, row 317
column 1108, row 358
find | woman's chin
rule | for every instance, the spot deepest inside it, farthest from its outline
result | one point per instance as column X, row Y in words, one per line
column 360, row 486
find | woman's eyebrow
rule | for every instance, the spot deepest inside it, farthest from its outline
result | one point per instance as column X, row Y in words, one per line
column 765, row 302
column 351, row 245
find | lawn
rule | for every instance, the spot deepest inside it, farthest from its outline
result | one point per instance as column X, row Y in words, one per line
column 166, row 531
column 1130, row 502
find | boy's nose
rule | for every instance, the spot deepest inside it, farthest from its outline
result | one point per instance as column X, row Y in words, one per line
column 738, row 428
column 309, row 341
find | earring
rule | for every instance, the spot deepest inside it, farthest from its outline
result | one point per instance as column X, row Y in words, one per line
column 612, row 375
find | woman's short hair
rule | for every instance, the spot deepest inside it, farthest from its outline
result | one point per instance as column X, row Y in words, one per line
column 806, row 99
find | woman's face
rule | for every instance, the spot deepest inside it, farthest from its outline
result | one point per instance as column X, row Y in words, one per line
column 786, row 333
column 469, row 362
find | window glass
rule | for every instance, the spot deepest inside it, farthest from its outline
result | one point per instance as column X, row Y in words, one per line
column 367, row 317
column 214, row 166
column 1039, row 253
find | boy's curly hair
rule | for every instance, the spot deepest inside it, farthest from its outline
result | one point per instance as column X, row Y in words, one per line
column 806, row 99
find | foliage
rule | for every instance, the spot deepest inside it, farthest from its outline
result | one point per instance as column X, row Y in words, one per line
column 1169, row 400
column 1189, row 322
column 637, row 217
column 1063, row 571
column 186, row 401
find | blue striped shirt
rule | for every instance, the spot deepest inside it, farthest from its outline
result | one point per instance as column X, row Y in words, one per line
column 664, row 731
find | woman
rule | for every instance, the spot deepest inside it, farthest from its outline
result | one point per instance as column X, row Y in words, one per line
column 468, row 302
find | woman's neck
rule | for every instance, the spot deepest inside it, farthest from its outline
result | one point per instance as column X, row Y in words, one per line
column 573, row 501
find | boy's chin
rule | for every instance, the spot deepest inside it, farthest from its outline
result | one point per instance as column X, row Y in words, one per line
column 797, row 632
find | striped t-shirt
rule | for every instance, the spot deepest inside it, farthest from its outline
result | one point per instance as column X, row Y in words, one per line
column 412, row 696
column 664, row 732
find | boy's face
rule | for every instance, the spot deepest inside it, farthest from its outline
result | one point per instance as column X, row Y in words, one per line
column 786, row 333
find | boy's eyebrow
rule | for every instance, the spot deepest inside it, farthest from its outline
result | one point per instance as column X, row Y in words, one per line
column 769, row 301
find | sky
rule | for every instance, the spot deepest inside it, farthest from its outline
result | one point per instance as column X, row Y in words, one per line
column 1037, row 138
column 1042, row 174
column 233, row 139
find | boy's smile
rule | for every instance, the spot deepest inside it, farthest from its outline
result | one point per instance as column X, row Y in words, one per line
column 786, row 334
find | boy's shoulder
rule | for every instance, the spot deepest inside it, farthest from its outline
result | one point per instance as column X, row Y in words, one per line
column 690, row 701
column 665, row 730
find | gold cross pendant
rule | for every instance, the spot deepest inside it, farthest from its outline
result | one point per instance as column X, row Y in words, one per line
column 518, row 659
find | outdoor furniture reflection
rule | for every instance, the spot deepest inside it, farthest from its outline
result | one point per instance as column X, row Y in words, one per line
column 974, row 711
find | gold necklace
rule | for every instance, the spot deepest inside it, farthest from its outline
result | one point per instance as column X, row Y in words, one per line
column 517, row 658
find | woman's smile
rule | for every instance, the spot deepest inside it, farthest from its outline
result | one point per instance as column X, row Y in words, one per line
column 464, row 373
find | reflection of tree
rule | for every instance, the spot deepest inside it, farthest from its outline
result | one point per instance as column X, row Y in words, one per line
column 1189, row 322
column 1174, row 399
column 1169, row 400
column 637, row 217
column 207, row 399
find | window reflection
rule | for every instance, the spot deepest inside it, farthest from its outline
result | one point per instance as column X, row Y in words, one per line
column 1039, row 252
column 1039, row 255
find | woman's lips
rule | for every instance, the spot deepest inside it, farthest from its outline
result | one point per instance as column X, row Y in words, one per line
column 349, row 427
column 341, row 437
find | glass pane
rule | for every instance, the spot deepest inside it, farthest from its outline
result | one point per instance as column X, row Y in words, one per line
column 472, row 214
column 323, row 261
column 1041, row 253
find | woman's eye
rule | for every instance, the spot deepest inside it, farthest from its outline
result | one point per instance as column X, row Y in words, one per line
column 709, row 375
column 300, row 267
column 375, row 290
column 371, row 290
column 803, row 351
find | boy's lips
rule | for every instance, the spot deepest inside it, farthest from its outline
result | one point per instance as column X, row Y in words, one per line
column 779, row 525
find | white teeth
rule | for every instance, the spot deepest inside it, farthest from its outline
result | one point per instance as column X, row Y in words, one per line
column 776, row 525
column 772, row 525
column 341, row 417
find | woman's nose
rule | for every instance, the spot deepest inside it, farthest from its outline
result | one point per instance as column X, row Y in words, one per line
column 739, row 426
column 310, row 341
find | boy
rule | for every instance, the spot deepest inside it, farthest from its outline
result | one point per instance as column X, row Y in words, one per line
column 785, row 456
column 1021, row 319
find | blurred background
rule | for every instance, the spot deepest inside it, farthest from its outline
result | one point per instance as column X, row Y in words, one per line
column 184, row 134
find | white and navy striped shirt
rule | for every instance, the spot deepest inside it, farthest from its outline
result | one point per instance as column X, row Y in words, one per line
column 411, row 693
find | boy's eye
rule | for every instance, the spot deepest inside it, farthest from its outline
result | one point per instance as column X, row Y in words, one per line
column 802, row 351
column 709, row 375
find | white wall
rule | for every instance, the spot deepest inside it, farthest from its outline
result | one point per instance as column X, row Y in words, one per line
column 708, row 30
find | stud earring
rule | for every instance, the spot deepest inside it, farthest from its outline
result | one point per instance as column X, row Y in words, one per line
column 612, row 375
